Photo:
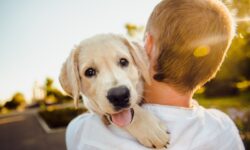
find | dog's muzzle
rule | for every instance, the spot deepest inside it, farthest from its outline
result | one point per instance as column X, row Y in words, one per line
column 122, row 118
column 119, row 97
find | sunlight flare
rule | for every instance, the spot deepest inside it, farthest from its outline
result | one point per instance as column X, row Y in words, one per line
column 243, row 19
column 201, row 51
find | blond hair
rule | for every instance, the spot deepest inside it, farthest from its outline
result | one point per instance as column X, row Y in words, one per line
column 191, row 38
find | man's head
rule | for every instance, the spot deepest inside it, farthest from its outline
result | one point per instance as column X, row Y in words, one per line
column 187, row 41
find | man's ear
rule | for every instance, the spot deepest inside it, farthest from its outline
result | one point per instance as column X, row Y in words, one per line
column 140, row 58
column 69, row 77
column 148, row 44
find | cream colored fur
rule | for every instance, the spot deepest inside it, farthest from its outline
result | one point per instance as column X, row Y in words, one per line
column 103, row 53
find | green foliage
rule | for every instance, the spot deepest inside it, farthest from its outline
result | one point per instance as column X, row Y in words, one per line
column 221, row 88
column 245, row 68
column 245, row 129
column 17, row 100
column 52, row 94
column 236, row 65
column 133, row 30
column 223, row 103
column 242, row 120
column 49, row 82
column 60, row 117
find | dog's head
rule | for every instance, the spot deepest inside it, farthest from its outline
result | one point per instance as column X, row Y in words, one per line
column 108, row 70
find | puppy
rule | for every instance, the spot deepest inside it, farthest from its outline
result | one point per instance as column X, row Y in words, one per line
column 110, row 70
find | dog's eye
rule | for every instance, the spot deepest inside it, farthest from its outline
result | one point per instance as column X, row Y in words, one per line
column 124, row 62
column 90, row 72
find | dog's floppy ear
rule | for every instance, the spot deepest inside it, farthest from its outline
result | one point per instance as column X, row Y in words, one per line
column 140, row 58
column 69, row 77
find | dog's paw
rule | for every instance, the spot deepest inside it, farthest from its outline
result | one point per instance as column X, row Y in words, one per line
column 154, row 135
column 149, row 130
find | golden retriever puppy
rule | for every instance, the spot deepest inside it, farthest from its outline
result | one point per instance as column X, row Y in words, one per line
column 110, row 70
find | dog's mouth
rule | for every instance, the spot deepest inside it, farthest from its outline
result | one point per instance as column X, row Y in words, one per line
column 122, row 118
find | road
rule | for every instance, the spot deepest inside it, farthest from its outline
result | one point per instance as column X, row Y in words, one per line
column 23, row 132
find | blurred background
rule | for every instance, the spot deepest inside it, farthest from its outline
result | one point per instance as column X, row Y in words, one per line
column 36, row 37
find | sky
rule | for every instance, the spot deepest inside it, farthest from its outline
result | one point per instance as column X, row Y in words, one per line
column 36, row 36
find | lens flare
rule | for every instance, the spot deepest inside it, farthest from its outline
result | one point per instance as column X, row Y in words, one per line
column 243, row 19
column 201, row 51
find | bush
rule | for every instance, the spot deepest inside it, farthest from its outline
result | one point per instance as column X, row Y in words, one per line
column 245, row 130
column 11, row 105
column 219, row 88
column 53, row 95
column 17, row 100
column 245, row 134
column 242, row 121
column 244, row 67
column 60, row 117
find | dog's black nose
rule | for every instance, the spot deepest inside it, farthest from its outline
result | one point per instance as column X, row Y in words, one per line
column 119, row 97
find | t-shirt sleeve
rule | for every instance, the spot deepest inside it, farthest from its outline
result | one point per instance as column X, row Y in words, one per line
column 228, row 138
column 73, row 133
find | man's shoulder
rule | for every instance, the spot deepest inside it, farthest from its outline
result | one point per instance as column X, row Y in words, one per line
column 219, row 118
column 221, row 130
column 83, row 119
column 217, row 115
column 76, row 128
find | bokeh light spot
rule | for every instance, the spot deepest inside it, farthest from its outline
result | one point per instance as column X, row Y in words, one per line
column 201, row 51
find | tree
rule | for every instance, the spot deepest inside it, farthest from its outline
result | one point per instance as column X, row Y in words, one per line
column 134, row 30
column 17, row 100
column 52, row 94
column 236, row 65
column 1, row 106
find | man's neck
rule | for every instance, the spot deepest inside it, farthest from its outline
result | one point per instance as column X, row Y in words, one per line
column 163, row 94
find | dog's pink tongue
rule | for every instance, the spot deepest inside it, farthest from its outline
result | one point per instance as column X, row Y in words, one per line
column 122, row 119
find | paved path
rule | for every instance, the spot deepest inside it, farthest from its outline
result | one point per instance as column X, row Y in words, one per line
column 23, row 132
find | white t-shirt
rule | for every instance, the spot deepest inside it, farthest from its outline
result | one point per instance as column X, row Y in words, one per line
column 193, row 128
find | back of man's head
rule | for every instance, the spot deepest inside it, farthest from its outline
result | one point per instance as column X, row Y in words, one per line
column 192, row 38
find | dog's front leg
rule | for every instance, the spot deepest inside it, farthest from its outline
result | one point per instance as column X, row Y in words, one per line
column 148, row 129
